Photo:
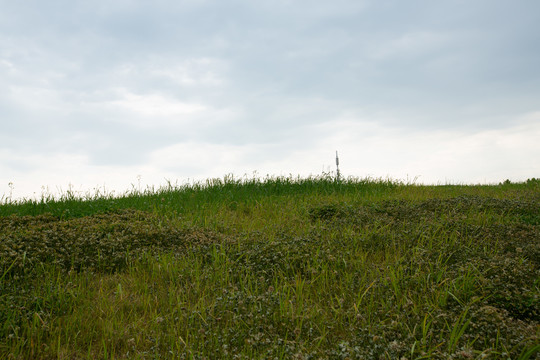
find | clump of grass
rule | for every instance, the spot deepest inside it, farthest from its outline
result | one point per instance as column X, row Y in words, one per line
column 281, row 268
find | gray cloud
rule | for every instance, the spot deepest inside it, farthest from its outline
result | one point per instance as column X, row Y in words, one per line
column 115, row 82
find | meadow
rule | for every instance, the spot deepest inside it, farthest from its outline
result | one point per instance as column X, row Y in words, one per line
column 274, row 268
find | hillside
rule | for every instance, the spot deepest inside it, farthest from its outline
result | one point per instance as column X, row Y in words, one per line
column 284, row 268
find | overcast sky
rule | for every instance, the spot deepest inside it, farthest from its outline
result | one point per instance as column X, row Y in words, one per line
column 113, row 93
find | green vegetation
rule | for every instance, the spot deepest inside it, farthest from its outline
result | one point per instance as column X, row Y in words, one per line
column 278, row 268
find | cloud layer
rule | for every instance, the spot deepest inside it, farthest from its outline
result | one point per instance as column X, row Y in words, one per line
column 103, row 92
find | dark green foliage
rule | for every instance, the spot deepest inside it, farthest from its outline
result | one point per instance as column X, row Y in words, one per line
column 104, row 242
column 326, row 212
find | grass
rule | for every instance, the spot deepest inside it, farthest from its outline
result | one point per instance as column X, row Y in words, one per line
column 284, row 268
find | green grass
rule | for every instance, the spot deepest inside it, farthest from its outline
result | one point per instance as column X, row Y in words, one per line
column 284, row 268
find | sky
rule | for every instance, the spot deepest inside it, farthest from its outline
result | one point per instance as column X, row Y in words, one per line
column 113, row 95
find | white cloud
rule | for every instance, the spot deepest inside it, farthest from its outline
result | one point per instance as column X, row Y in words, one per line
column 199, row 158
column 197, row 72
column 155, row 105
column 365, row 149
column 485, row 156
column 7, row 66
column 55, row 174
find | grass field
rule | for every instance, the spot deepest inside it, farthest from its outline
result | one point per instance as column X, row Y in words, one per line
column 275, row 268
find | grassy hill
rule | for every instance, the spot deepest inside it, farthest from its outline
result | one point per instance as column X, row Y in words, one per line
column 284, row 268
